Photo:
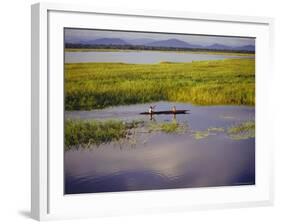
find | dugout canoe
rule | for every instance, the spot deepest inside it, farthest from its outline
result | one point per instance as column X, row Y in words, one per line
column 166, row 112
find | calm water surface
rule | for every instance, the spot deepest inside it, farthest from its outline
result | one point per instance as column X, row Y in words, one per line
column 142, row 57
column 159, row 160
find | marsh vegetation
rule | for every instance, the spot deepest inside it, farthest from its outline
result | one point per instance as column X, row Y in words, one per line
column 242, row 130
column 99, row 85
column 92, row 86
column 91, row 132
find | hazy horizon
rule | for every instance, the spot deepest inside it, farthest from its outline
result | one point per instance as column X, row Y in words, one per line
column 74, row 35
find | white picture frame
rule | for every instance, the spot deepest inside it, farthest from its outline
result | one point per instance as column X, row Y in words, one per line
column 48, row 201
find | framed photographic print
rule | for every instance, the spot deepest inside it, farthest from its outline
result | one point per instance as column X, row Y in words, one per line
column 148, row 111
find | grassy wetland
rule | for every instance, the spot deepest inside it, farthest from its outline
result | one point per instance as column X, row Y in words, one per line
column 91, row 132
column 98, row 85
column 91, row 86
column 145, row 111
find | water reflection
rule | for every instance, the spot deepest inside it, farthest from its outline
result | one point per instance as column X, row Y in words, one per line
column 171, row 164
column 162, row 160
column 153, row 117
column 142, row 57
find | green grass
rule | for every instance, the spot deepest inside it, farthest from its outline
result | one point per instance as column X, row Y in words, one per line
column 242, row 130
column 173, row 127
column 92, row 132
column 205, row 133
column 99, row 85
column 85, row 133
column 200, row 134
column 215, row 129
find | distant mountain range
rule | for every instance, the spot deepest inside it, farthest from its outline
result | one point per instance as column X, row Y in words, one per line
column 106, row 41
column 171, row 43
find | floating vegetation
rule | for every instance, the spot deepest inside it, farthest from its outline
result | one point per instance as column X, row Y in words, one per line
column 173, row 127
column 242, row 130
column 215, row 129
column 91, row 132
column 200, row 134
column 205, row 133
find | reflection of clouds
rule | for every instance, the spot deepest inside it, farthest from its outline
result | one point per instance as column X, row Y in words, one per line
column 161, row 160
column 168, row 161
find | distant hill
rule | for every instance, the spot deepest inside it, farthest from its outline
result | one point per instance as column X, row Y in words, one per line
column 143, row 43
column 246, row 48
column 173, row 43
column 225, row 47
column 218, row 47
column 106, row 41
column 139, row 41
column 100, row 41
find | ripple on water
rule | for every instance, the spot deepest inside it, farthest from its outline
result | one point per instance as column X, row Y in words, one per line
column 162, row 160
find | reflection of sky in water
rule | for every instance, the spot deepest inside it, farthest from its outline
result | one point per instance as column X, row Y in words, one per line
column 162, row 161
column 142, row 57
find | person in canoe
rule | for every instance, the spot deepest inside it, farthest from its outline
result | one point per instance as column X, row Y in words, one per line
column 174, row 110
column 151, row 108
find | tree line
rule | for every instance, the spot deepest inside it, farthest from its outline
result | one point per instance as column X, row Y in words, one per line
column 144, row 47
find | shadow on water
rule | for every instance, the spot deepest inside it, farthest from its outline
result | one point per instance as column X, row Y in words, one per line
column 173, row 116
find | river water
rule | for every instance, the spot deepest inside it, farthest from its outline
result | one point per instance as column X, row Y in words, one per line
column 203, row 155
column 142, row 57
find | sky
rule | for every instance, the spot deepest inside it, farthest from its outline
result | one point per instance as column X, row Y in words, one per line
column 72, row 35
